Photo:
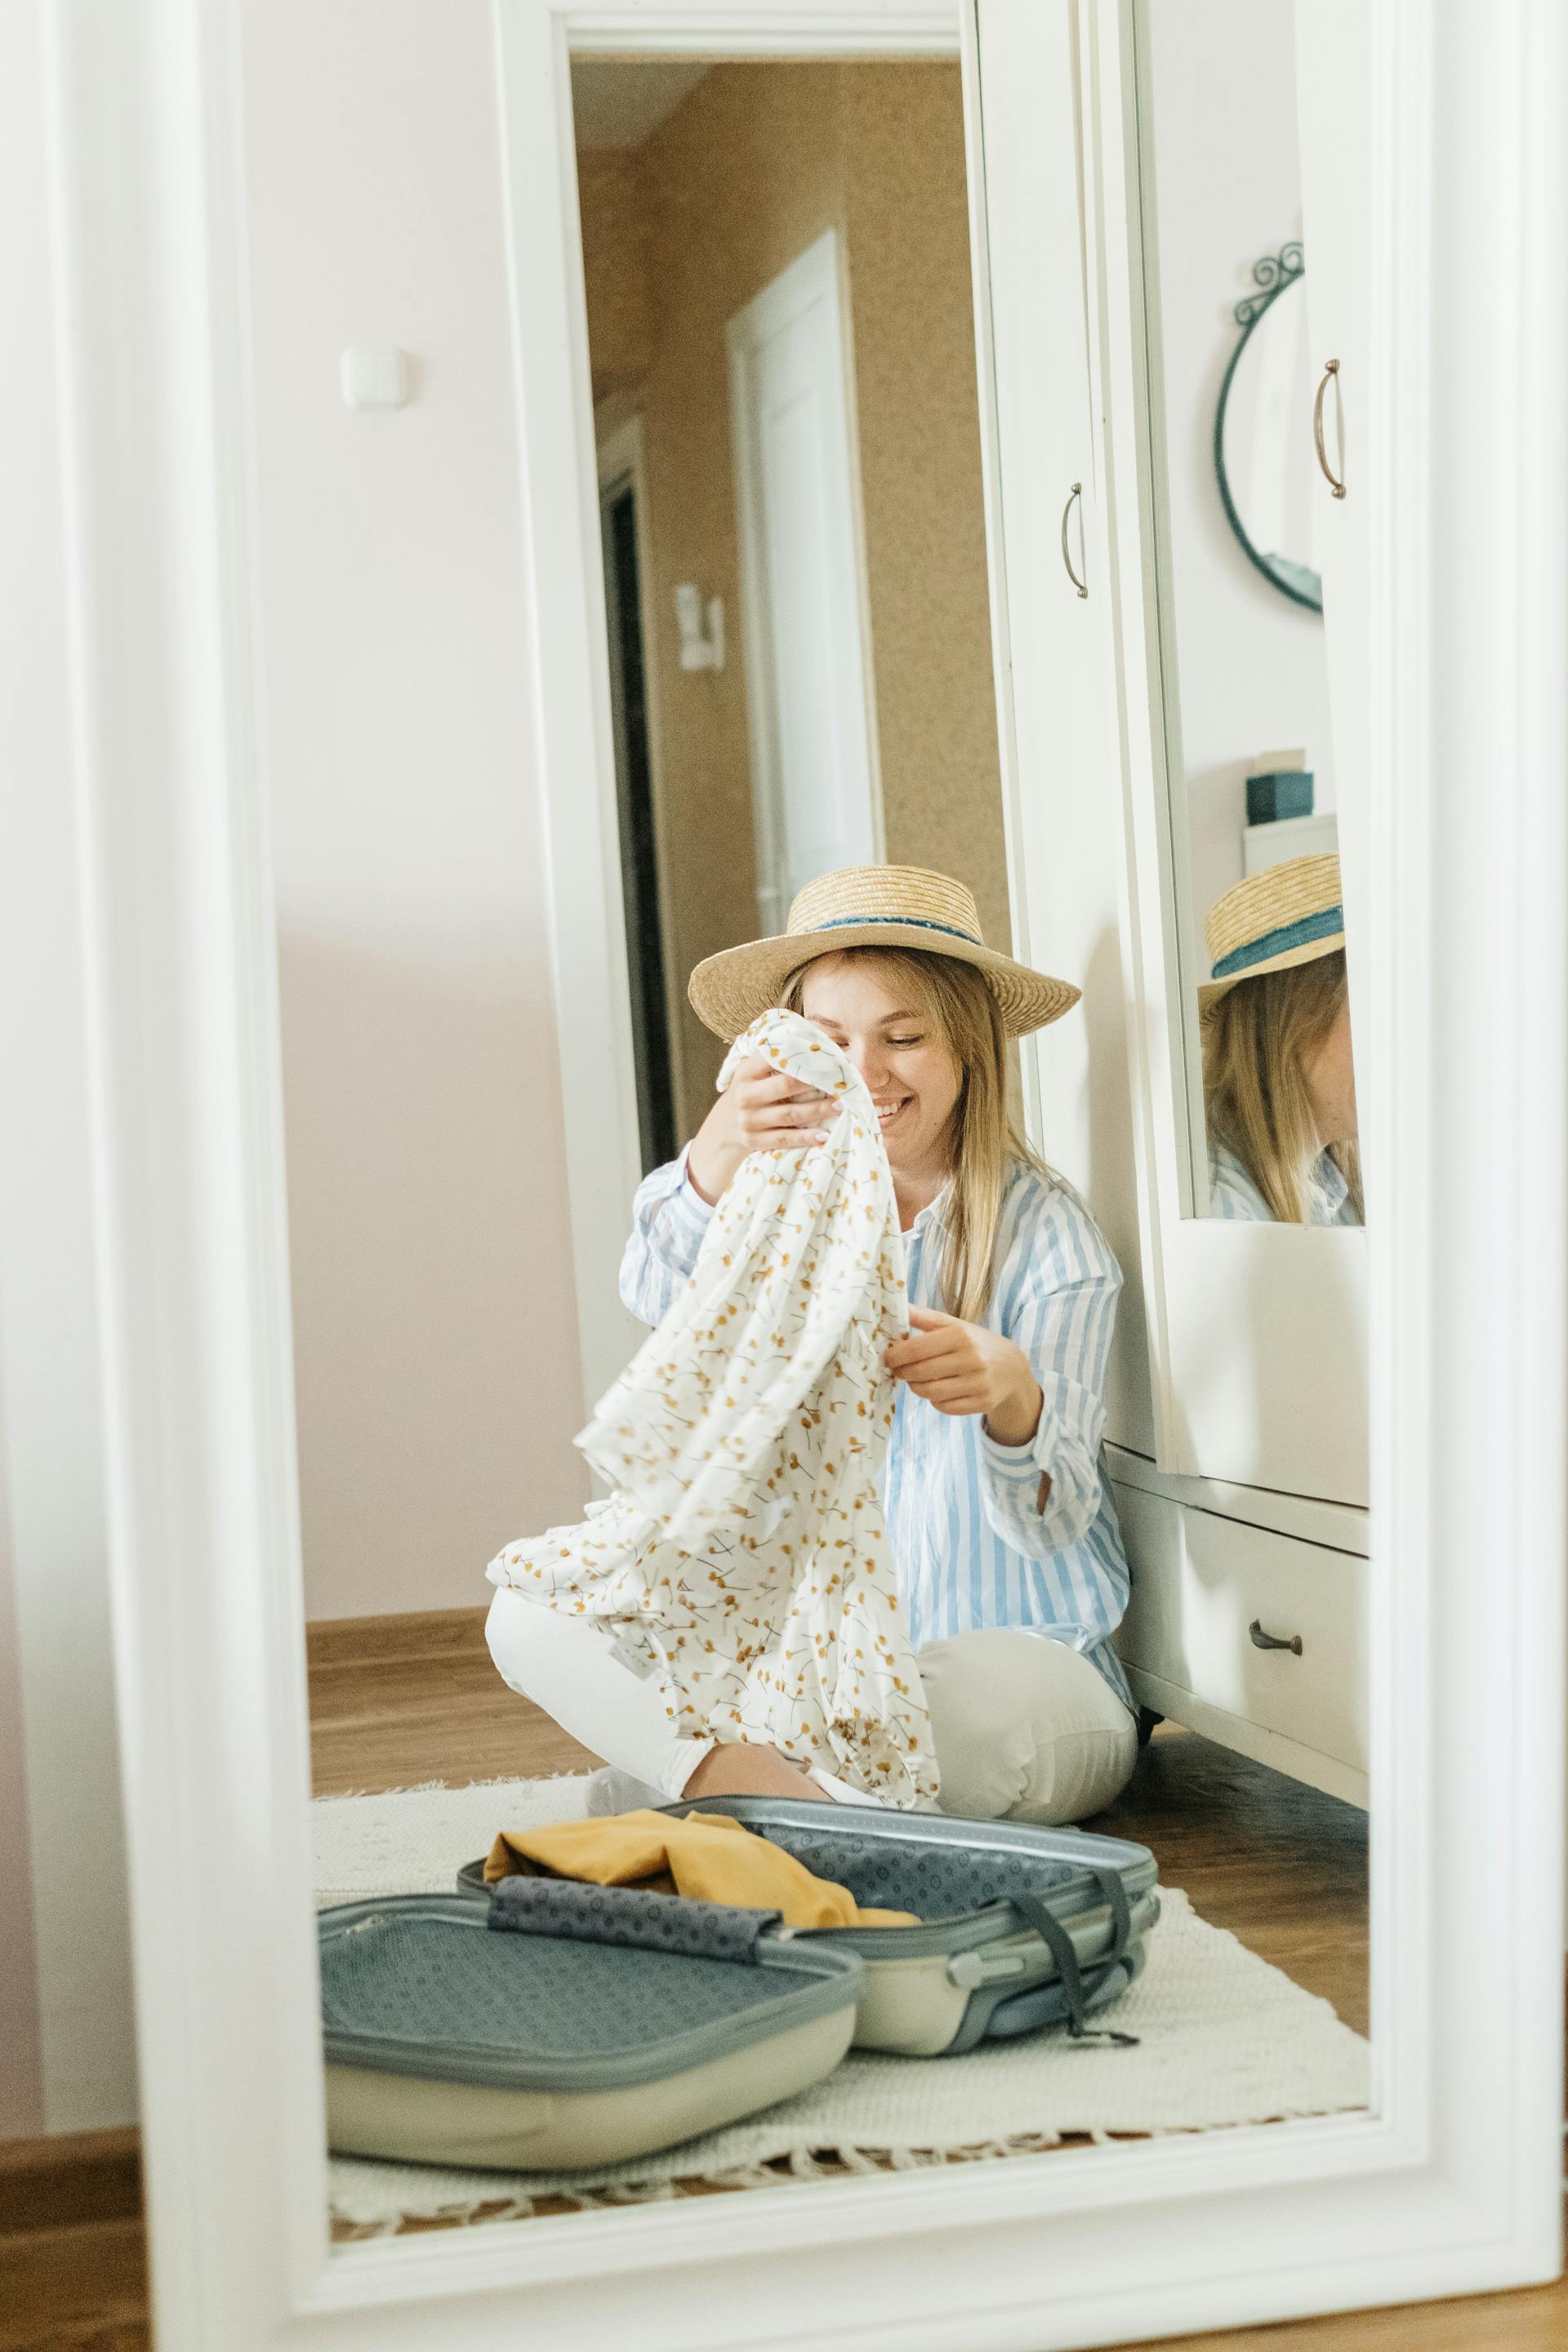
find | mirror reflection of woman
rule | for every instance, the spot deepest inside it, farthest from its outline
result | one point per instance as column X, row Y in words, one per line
column 1012, row 1574
column 1279, row 1079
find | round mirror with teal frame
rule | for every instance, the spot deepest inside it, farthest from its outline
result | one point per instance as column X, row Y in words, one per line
column 1262, row 433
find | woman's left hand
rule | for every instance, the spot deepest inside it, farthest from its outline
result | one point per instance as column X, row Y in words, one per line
column 964, row 1368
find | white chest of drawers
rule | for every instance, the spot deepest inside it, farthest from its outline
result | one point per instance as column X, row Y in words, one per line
column 1251, row 1630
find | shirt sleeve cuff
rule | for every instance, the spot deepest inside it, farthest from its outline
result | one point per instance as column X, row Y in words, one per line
column 1018, row 1464
column 684, row 1205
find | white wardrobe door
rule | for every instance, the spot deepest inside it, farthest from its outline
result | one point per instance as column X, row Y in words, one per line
column 1257, row 1330
column 1333, row 82
column 1057, row 723
column 807, row 677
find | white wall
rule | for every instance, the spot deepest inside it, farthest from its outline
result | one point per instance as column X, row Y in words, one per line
column 67, row 2052
column 1251, row 664
column 435, row 1326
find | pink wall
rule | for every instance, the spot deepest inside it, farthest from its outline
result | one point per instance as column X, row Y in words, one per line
column 437, row 1374
column 21, row 2064
column 66, row 2053
column 435, row 1322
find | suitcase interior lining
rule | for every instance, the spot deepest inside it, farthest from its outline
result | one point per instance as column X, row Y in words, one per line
column 933, row 1881
column 413, row 1979
column 938, row 1878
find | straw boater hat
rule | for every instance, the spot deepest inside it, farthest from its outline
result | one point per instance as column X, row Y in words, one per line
column 1286, row 915
column 872, row 907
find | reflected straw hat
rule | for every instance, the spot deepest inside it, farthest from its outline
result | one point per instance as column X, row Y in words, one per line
column 1286, row 915
column 872, row 907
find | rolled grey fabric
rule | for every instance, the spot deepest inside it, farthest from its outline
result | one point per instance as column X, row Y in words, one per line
column 628, row 1914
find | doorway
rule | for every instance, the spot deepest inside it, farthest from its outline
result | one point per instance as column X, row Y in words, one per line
column 779, row 298
column 621, row 525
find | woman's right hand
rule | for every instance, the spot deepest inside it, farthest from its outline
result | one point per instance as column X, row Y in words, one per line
column 759, row 1111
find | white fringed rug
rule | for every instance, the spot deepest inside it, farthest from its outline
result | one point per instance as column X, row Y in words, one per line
column 1223, row 2039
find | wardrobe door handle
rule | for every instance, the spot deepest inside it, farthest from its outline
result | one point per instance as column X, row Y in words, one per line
column 1076, row 492
column 1262, row 1640
column 1331, row 370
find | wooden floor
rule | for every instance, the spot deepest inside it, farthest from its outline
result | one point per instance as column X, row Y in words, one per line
column 1283, row 1868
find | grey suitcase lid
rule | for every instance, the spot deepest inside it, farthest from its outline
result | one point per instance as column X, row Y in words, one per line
column 956, row 1875
column 419, row 1984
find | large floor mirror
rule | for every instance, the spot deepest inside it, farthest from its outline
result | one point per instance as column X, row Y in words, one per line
column 820, row 527
column 784, row 401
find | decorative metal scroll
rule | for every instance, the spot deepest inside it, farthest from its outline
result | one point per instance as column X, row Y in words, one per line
column 1272, row 274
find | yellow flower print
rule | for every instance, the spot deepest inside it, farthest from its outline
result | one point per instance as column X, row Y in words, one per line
column 728, row 1498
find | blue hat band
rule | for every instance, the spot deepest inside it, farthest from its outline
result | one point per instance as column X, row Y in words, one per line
column 1324, row 926
column 901, row 922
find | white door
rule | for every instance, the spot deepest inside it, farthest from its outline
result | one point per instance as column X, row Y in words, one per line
column 1334, row 92
column 1062, row 796
column 814, row 776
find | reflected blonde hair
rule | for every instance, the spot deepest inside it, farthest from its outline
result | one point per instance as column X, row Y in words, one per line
column 1257, row 1040
column 985, row 1140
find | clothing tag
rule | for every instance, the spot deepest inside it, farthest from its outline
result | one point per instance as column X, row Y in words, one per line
column 627, row 1653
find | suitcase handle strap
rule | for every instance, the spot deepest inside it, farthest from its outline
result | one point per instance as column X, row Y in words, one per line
column 638, row 1915
column 1110, row 1885
column 1059, row 1944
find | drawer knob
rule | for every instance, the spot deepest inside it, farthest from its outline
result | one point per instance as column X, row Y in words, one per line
column 1262, row 1640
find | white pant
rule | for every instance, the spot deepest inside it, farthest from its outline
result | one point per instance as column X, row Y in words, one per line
column 1025, row 1728
column 568, row 1667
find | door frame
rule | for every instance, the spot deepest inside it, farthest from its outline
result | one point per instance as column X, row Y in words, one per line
column 1452, row 2185
column 574, row 740
column 621, row 456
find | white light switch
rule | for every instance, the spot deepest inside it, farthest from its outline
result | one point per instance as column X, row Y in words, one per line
column 375, row 377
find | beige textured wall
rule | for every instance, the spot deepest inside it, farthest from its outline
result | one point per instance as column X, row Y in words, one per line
column 907, row 227
column 622, row 321
column 750, row 169
column 743, row 176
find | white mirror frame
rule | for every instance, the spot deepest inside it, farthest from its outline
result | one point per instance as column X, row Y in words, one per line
column 1453, row 2184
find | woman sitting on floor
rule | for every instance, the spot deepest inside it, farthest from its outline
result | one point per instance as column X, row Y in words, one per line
column 1011, row 1571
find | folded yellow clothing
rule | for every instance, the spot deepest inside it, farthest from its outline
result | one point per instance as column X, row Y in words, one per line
column 707, row 1856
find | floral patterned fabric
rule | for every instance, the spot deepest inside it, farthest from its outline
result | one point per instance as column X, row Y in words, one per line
column 742, row 1556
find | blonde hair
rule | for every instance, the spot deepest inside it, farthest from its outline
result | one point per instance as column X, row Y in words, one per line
column 984, row 1139
column 1256, row 1039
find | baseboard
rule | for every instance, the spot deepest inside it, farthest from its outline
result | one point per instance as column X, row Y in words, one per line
column 332, row 1642
column 69, row 2178
column 1272, row 1749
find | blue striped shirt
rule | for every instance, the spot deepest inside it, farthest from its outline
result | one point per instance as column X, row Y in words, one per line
column 972, row 1544
column 1234, row 1196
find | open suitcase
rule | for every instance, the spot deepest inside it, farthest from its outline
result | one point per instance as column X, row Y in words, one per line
column 597, row 2024
column 1020, row 1928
